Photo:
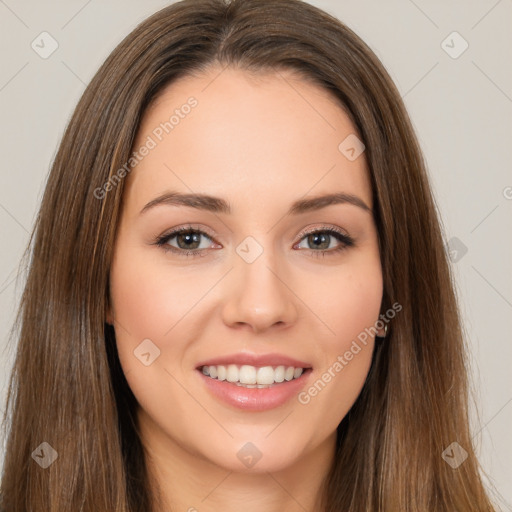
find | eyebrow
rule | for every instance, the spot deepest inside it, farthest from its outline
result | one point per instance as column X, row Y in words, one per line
column 219, row 205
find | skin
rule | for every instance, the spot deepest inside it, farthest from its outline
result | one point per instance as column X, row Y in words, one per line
column 260, row 142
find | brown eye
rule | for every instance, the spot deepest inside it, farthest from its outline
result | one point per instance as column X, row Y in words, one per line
column 186, row 242
column 321, row 241
column 187, row 239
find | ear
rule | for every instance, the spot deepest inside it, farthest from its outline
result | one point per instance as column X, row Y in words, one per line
column 381, row 333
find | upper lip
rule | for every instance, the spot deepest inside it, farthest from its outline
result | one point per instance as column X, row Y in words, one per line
column 251, row 359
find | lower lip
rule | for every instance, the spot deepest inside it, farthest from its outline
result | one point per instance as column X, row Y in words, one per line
column 255, row 399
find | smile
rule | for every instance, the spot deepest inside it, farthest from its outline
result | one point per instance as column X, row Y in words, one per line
column 252, row 376
column 253, row 388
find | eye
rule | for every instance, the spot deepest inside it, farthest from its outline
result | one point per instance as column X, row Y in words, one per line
column 187, row 240
column 321, row 241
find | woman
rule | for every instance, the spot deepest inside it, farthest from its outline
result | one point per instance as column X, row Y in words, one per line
column 188, row 346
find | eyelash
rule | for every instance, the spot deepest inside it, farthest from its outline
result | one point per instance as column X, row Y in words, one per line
column 346, row 241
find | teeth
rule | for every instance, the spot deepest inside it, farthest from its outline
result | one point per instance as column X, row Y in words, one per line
column 246, row 375
column 221, row 372
column 252, row 376
column 231, row 373
column 265, row 376
column 279, row 374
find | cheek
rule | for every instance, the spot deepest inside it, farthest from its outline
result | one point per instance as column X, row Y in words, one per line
column 358, row 307
column 354, row 325
column 351, row 310
column 147, row 299
column 335, row 388
column 150, row 304
column 349, row 302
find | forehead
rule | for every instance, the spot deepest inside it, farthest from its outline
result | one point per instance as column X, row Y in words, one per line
column 250, row 138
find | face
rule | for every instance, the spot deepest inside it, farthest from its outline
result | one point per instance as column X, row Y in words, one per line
column 255, row 282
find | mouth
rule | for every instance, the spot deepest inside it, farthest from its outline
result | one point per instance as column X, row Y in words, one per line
column 253, row 388
column 250, row 377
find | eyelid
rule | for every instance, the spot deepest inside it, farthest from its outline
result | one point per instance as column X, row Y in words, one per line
column 344, row 239
column 207, row 231
column 188, row 227
column 322, row 227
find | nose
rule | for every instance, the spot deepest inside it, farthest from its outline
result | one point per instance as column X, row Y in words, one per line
column 258, row 297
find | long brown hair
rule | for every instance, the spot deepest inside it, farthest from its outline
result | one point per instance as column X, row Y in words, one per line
column 67, row 387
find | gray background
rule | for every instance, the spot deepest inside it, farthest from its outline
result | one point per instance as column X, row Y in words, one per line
column 461, row 108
